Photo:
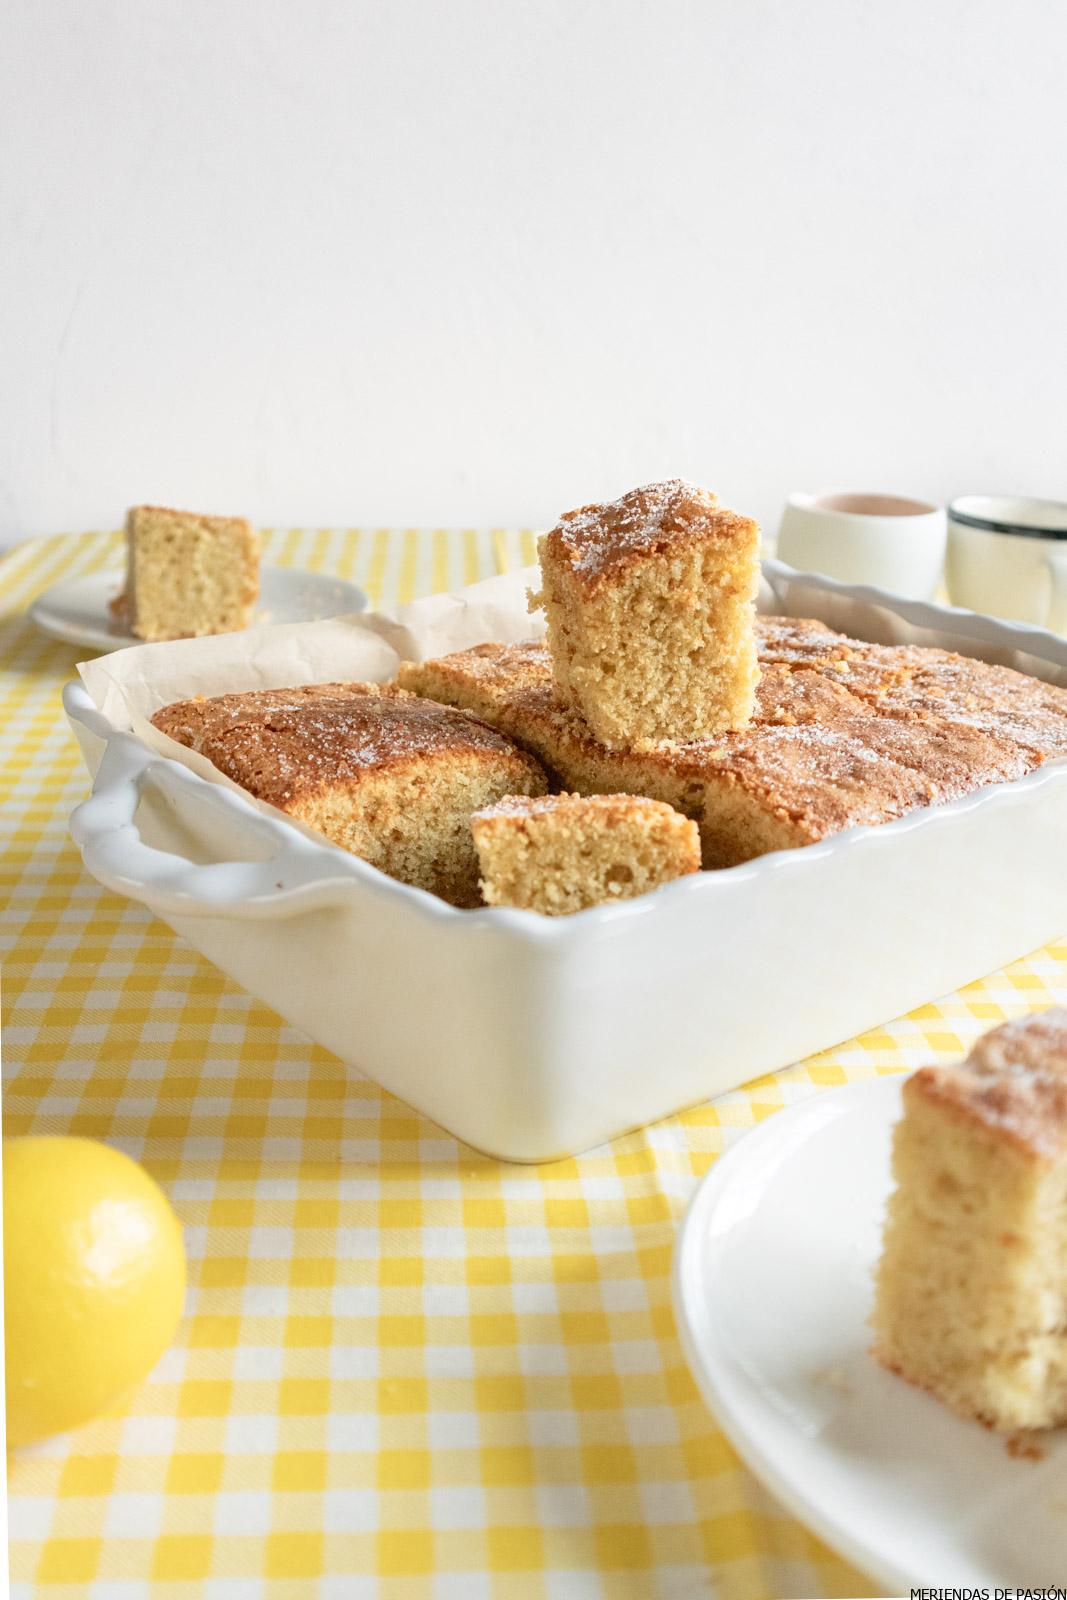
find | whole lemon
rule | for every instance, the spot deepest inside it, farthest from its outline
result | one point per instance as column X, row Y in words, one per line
column 94, row 1280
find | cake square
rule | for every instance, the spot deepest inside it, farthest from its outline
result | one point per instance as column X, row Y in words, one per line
column 188, row 575
column 561, row 853
column 649, row 602
column 385, row 775
column 971, row 1289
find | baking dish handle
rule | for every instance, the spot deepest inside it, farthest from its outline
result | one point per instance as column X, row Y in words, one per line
column 295, row 874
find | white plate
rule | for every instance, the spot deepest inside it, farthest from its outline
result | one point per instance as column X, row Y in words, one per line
column 772, row 1286
column 77, row 610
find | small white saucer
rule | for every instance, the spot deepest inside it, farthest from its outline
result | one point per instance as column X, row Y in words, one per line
column 77, row 610
column 772, row 1288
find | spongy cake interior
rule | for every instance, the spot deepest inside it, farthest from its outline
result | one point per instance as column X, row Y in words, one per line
column 189, row 575
column 568, row 852
column 413, row 821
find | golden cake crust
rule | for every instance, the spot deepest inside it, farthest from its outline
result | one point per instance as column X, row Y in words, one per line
column 285, row 745
column 925, row 682
column 798, row 641
column 993, row 700
column 837, row 771
column 498, row 667
column 598, row 541
column 1013, row 1085
column 606, row 809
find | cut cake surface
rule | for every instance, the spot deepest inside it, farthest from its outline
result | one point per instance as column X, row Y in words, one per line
column 188, row 575
column 563, row 853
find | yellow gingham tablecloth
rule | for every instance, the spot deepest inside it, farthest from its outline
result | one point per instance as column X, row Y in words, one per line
column 406, row 1370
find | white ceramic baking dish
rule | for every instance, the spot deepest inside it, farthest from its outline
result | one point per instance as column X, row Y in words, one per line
column 532, row 1038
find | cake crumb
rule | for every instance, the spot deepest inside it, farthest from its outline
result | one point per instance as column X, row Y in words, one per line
column 557, row 854
column 187, row 575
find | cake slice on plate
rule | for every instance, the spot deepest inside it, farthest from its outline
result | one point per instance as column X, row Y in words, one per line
column 188, row 575
column 971, row 1296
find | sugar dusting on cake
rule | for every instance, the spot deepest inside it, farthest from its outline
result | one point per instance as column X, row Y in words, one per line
column 598, row 537
column 1014, row 1080
column 520, row 805
column 281, row 743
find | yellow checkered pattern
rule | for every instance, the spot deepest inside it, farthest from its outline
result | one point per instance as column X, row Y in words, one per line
column 406, row 1370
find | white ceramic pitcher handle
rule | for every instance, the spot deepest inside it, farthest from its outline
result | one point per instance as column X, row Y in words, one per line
column 1056, row 561
column 293, row 875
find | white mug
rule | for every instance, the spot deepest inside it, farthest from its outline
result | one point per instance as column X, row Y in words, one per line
column 1008, row 556
column 884, row 540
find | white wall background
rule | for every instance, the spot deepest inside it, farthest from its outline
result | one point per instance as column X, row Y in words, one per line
column 333, row 261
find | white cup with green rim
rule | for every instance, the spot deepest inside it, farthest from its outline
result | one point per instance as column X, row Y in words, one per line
column 1007, row 555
